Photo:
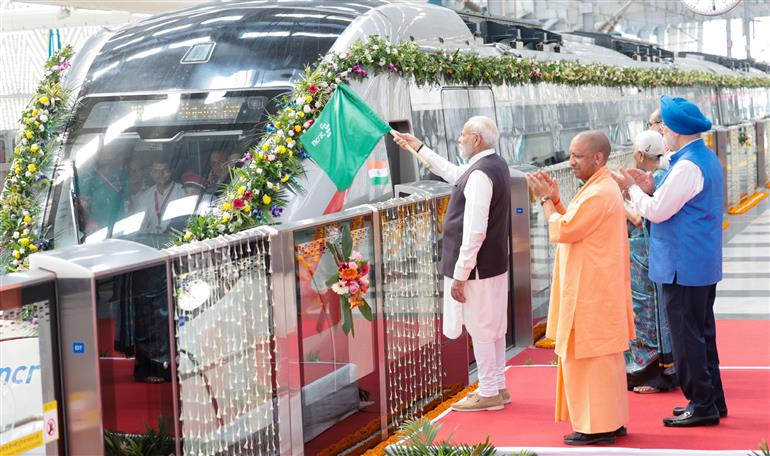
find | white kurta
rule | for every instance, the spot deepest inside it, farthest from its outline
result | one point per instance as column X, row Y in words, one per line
column 485, row 309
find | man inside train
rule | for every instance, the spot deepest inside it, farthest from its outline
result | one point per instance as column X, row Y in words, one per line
column 155, row 200
column 590, row 315
column 686, row 255
column 476, row 230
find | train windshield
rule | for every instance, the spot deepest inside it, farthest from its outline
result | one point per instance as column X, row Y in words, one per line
column 138, row 167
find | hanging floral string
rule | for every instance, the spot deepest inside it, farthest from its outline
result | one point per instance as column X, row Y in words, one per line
column 260, row 188
column 39, row 136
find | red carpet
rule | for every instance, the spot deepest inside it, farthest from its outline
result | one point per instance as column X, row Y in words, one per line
column 528, row 421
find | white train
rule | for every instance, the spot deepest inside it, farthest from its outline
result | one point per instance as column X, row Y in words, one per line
column 192, row 87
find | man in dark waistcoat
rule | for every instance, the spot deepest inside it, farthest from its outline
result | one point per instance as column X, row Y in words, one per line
column 474, row 257
column 686, row 255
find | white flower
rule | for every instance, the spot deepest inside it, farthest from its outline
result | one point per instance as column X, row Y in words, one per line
column 16, row 235
column 259, row 170
column 41, row 128
column 306, row 124
column 280, row 133
column 25, row 231
column 317, row 104
column 375, row 47
column 291, row 133
column 292, row 115
column 22, row 250
column 271, row 157
column 25, row 213
column 28, row 174
column 337, row 80
column 340, row 289
column 269, row 185
column 299, row 101
column 24, row 141
column 382, row 62
column 44, row 118
column 220, row 227
column 307, row 109
column 15, row 262
column 290, row 143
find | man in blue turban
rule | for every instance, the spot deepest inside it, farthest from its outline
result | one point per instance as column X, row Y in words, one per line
column 685, row 255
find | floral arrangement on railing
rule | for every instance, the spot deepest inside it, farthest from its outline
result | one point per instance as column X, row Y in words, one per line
column 350, row 281
column 259, row 189
column 39, row 136
column 743, row 139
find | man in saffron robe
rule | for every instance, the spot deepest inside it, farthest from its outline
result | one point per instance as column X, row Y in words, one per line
column 590, row 315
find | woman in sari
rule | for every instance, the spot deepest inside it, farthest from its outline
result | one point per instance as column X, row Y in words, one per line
column 649, row 360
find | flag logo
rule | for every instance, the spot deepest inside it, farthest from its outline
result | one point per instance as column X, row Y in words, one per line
column 378, row 172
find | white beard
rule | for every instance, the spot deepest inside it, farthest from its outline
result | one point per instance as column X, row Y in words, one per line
column 463, row 154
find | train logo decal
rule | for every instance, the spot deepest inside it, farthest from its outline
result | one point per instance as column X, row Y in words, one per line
column 325, row 133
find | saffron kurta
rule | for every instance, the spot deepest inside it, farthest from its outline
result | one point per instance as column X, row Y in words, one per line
column 590, row 315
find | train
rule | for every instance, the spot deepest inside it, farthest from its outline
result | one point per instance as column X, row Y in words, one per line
column 192, row 88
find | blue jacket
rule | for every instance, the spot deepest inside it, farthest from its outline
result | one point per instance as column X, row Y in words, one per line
column 687, row 248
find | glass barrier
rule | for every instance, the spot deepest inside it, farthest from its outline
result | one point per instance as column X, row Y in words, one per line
column 225, row 341
column 412, row 305
column 741, row 164
column 30, row 414
column 137, row 397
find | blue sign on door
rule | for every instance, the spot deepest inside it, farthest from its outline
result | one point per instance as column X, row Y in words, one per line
column 78, row 348
column 519, row 210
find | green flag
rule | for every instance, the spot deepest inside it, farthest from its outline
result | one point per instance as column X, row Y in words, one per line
column 343, row 136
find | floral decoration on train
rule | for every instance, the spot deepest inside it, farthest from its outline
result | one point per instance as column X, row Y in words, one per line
column 350, row 281
column 270, row 171
column 41, row 126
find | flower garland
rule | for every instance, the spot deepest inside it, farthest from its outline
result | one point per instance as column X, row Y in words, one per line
column 260, row 188
column 39, row 135
column 351, row 280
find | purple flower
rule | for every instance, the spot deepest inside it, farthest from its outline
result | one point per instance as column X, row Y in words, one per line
column 392, row 68
column 256, row 213
column 276, row 211
column 248, row 157
column 40, row 177
column 63, row 66
column 357, row 69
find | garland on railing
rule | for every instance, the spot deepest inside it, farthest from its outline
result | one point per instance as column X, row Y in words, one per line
column 259, row 189
column 39, row 135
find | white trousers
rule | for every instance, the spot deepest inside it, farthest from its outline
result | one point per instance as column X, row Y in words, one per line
column 490, row 364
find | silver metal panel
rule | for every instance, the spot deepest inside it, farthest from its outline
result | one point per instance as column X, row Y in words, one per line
column 110, row 257
column 521, row 289
column 763, row 160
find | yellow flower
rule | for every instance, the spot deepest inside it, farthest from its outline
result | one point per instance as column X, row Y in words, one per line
column 241, row 190
column 281, row 150
column 28, row 121
column 278, row 124
column 225, row 218
column 291, row 154
column 308, row 99
column 16, row 254
column 301, row 114
column 34, row 112
column 247, row 208
column 266, row 199
column 44, row 99
column 17, row 150
column 467, row 68
column 277, row 139
column 187, row 236
column 17, row 170
column 34, row 148
column 29, row 134
column 31, row 168
column 24, row 242
column 32, row 248
column 226, row 206
column 285, row 178
column 27, row 219
column 297, row 128
column 265, row 147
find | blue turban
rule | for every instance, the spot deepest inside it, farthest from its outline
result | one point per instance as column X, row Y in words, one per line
column 683, row 117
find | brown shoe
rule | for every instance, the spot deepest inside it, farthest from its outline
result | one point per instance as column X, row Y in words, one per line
column 476, row 403
column 504, row 394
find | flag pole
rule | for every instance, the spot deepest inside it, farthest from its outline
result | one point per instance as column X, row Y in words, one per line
column 419, row 157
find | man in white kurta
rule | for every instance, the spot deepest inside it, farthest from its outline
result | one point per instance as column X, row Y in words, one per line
column 476, row 283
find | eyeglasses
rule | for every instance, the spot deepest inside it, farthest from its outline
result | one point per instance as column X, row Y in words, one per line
column 650, row 124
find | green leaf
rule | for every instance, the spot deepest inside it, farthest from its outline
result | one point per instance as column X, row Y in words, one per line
column 347, row 317
column 332, row 280
column 365, row 310
column 335, row 253
column 347, row 243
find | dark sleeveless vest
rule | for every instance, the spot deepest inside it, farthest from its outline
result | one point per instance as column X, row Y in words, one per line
column 492, row 258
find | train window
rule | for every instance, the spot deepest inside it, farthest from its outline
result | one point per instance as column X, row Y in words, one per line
column 142, row 166
column 538, row 148
column 459, row 105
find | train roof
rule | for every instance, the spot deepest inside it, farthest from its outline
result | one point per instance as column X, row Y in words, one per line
column 258, row 43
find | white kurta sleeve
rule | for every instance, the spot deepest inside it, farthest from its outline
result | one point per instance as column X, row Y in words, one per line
column 441, row 166
column 685, row 180
column 478, row 197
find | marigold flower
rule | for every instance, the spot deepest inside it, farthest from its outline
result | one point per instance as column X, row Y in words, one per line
column 31, row 168
column 24, row 242
column 348, row 274
column 27, row 219
column 297, row 128
column 226, row 206
column 266, row 200
column 241, row 190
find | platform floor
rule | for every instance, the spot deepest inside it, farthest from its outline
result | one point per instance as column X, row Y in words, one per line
column 743, row 336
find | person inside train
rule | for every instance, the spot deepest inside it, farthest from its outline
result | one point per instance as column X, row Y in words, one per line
column 685, row 212
column 193, row 183
column 649, row 361
column 101, row 190
column 219, row 171
column 155, row 200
